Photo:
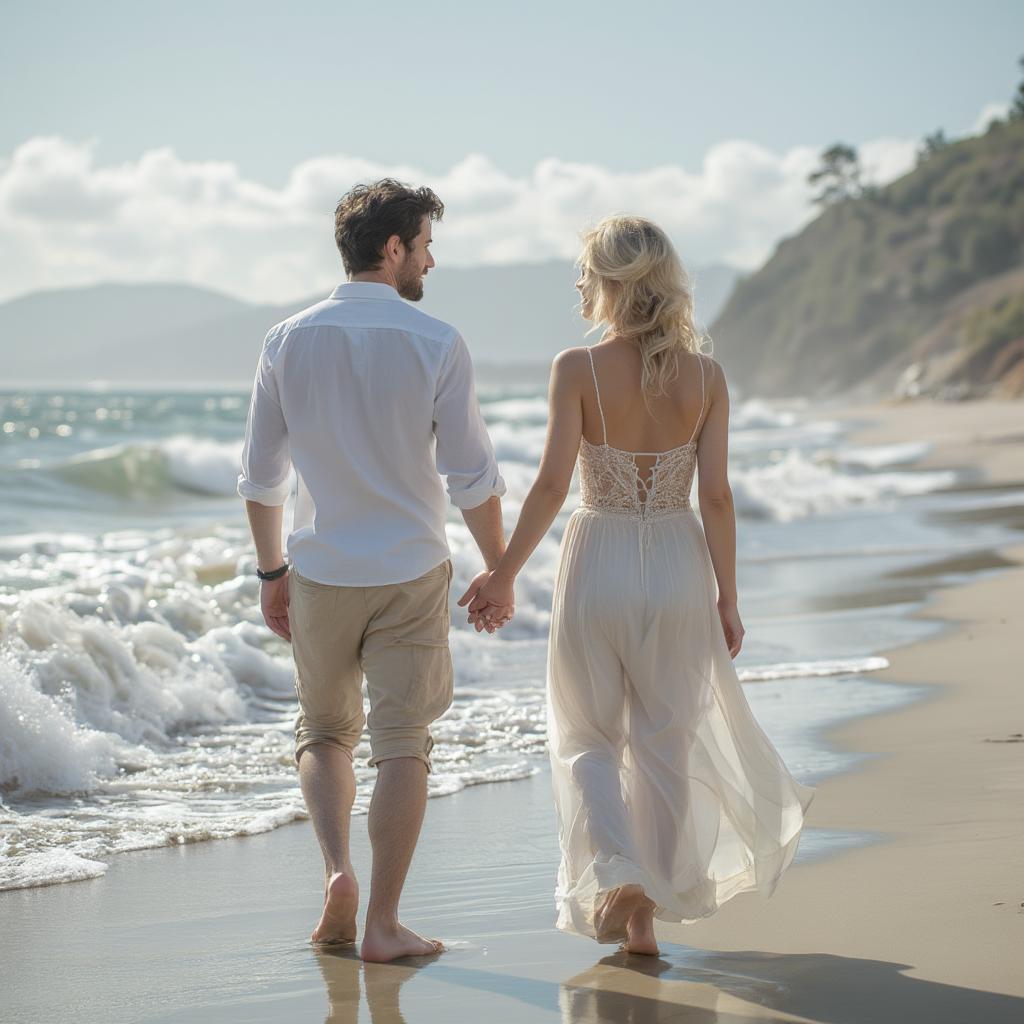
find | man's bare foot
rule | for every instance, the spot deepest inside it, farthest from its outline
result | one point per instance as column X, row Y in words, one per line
column 640, row 936
column 384, row 943
column 338, row 921
column 613, row 914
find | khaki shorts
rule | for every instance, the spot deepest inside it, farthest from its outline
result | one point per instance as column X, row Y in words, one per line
column 397, row 636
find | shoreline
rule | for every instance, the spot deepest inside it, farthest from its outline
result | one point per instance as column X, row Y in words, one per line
column 941, row 779
column 959, row 432
column 922, row 920
column 945, row 867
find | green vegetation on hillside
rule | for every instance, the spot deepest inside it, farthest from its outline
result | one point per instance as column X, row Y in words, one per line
column 891, row 276
column 995, row 344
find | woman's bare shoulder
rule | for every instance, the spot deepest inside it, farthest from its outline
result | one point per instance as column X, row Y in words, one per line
column 712, row 367
column 571, row 361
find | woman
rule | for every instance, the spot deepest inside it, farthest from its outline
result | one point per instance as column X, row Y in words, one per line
column 670, row 798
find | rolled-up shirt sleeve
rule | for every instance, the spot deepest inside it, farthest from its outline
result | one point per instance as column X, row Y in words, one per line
column 266, row 458
column 465, row 456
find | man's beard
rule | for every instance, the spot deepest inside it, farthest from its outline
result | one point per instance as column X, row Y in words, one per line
column 409, row 283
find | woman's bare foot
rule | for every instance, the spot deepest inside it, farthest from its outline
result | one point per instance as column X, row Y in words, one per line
column 383, row 943
column 341, row 901
column 640, row 936
column 614, row 913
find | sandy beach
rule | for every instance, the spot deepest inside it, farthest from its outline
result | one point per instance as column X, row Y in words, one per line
column 923, row 921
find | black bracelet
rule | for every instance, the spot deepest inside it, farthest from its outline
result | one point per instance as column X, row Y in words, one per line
column 274, row 574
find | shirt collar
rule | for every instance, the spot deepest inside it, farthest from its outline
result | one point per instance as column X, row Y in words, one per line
column 365, row 290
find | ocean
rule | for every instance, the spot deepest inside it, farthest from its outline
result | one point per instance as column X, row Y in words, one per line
column 143, row 703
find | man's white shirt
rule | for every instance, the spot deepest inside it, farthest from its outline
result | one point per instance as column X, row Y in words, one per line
column 370, row 400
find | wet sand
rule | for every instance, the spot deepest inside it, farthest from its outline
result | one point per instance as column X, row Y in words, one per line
column 925, row 922
column 216, row 932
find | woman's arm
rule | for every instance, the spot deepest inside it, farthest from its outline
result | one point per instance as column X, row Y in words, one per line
column 717, row 512
column 549, row 490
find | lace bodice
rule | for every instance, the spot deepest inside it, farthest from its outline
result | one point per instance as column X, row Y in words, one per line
column 611, row 479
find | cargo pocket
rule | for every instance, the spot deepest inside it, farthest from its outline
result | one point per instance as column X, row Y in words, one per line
column 408, row 663
column 429, row 676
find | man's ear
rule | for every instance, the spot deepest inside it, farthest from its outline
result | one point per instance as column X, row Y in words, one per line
column 393, row 247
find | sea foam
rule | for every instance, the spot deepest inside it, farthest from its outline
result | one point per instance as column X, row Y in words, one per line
column 795, row 485
column 143, row 702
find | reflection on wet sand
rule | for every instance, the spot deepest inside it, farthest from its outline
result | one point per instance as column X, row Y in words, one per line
column 347, row 979
column 340, row 968
column 683, row 985
column 652, row 990
column 619, row 988
column 745, row 987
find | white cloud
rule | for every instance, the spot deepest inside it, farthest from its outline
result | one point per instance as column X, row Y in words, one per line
column 68, row 219
column 989, row 113
column 884, row 160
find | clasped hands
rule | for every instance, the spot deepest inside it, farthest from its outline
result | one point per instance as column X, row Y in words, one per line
column 491, row 601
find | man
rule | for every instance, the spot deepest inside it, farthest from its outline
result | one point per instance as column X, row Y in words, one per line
column 369, row 399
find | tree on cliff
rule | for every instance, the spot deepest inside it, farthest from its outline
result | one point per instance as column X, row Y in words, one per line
column 1017, row 106
column 931, row 145
column 838, row 175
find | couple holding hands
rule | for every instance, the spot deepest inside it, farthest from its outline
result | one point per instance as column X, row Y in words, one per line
column 670, row 798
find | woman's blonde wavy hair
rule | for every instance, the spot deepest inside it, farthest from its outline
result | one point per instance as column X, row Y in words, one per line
column 636, row 285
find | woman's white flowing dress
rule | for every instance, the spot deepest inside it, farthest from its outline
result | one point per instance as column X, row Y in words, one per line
column 662, row 776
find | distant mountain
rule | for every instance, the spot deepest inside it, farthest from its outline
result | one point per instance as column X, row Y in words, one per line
column 102, row 331
column 712, row 286
column 180, row 334
column 915, row 288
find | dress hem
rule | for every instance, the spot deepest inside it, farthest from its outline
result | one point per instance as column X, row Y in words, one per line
column 576, row 915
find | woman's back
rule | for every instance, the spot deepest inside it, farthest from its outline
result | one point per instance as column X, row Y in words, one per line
column 664, row 422
column 642, row 459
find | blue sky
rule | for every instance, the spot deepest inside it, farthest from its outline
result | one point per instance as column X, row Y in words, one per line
column 554, row 113
column 624, row 84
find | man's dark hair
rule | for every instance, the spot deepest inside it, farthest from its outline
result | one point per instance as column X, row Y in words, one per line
column 368, row 215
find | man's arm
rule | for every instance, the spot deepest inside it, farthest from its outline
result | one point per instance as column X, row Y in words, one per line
column 488, row 531
column 265, row 522
column 264, row 483
column 465, row 456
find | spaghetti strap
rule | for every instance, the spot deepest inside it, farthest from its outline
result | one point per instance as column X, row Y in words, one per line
column 597, row 391
column 703, row 400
